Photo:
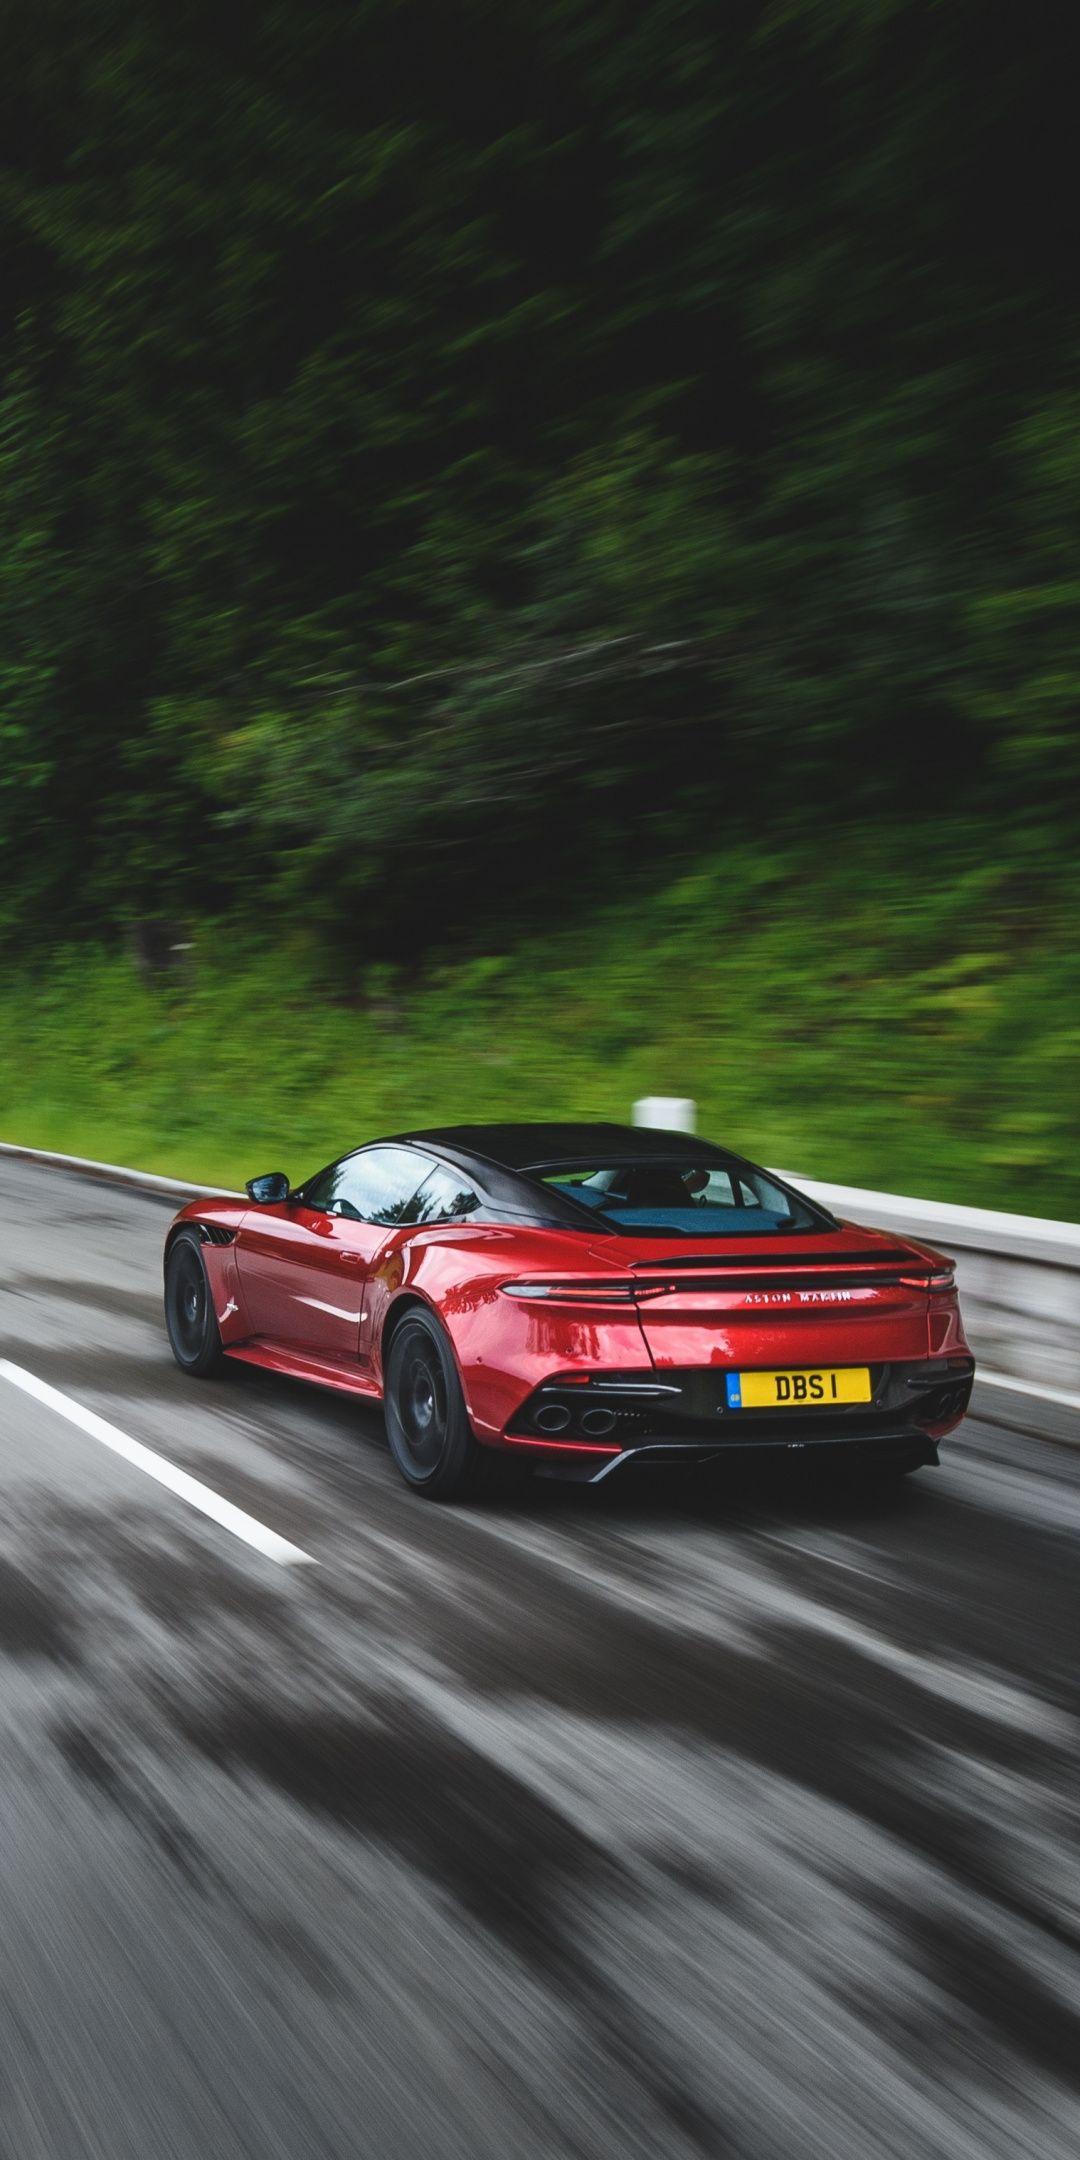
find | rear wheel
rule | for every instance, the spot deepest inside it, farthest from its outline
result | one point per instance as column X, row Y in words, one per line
column 427, row 1423
column 189, row 1307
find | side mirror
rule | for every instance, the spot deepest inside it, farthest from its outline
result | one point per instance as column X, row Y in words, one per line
column 270, row 1190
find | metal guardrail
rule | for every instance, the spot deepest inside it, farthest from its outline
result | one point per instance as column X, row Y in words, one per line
column 1019, row 1275
column 118, row 1174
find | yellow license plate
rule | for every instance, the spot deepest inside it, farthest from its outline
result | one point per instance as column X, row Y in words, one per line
column 798, row 1390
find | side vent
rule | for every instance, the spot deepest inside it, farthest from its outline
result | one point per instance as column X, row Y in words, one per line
column 216, row 1233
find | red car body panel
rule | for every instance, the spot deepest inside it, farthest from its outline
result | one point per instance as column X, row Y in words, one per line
column 303, row 1275
column 315, row 1294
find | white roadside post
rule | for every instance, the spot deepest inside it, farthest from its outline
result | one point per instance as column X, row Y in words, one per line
column 671, row 1113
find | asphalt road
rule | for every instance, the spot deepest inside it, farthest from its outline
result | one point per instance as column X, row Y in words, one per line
column 726, row 1820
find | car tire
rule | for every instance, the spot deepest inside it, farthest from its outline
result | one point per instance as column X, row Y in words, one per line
column 189, row 1308
column 427, row 1424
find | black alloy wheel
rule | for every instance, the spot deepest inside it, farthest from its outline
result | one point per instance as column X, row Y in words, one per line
column 427, row 1424
column 189, row 1307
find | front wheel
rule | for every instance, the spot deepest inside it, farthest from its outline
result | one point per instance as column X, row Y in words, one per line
column 189, row 1308
column 427, row 1423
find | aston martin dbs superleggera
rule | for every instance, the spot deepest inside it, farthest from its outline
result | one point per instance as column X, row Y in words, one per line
column 579, row 1298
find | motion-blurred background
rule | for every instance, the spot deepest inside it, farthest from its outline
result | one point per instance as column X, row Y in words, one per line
column 540, row 561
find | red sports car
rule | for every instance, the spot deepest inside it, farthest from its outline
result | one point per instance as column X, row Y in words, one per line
column 577, row 1297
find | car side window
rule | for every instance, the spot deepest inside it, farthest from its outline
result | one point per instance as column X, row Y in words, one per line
column 375, row 1186
column 443, row 1197
column 717, row 1191
column 759, row 1191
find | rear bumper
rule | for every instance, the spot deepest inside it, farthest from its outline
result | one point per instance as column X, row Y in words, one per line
column 902, row 1450
column 672, row 1419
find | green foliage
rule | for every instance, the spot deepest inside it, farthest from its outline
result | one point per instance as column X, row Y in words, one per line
column 532, row 436
column 857, row 1018
column 600, row 484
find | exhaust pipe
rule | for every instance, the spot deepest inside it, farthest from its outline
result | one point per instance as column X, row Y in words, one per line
column 598, row 1421
column 552, row 1418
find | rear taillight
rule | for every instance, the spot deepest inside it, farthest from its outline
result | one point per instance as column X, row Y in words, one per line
column 605, row 1290
column 579, row 1292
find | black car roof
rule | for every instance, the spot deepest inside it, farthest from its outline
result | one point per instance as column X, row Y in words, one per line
column 530, row 1147
column 506, row 1162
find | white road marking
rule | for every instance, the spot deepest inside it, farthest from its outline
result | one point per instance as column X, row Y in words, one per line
column 157, row 1466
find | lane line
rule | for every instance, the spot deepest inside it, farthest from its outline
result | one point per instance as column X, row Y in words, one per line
column 1027, row 1387
column 156, row 1466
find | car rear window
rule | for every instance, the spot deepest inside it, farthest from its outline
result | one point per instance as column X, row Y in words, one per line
column 716, row 1197
column 443, row 1197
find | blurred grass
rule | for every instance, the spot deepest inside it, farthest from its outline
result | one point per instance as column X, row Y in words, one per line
column 865, row 1019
